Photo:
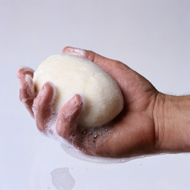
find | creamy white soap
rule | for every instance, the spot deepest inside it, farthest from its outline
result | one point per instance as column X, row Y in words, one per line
column 102, row 97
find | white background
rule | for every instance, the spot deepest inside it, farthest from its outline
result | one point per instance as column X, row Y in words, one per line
column 152, row 37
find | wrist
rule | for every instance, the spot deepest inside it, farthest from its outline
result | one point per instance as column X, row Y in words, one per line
column 172, row 123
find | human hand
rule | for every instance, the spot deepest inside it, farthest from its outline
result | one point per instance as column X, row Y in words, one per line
column 131, row 133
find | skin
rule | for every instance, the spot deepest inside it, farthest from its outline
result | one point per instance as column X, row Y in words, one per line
column 140, row 129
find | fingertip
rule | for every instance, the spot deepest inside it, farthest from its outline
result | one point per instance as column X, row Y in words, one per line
column 75, row 51
column 66, row 49
column 85, row 54
column 45, row 97
column 23, row 71
column 75, row 102
column 26, row 83
column 69, row 49
column 49, row 87
column 51, row 90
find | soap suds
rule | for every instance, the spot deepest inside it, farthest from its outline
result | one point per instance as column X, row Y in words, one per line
column 89, row 135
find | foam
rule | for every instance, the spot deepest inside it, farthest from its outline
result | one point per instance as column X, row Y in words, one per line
column 51, row 129
column 80, row 154
column 90, row 143
column 70, row 150
column 93, row 133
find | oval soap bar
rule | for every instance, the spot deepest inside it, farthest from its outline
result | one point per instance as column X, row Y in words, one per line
column 103, row 99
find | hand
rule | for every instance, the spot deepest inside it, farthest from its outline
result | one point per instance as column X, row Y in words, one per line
column 131, row 133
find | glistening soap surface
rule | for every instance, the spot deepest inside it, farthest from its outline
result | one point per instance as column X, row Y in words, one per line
column 71, row 75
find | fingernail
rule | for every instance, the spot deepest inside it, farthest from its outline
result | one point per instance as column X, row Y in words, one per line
column 73, row 101
column 42, row 91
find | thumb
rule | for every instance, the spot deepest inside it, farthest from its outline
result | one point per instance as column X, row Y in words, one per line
column 116, row 69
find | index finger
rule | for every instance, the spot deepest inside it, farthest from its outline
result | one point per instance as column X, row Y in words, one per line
column 103, row 62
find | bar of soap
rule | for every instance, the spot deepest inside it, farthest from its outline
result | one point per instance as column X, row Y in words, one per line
column 102, row 97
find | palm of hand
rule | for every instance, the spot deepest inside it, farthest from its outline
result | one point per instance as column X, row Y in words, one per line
column 133, row 130
column 133, row 133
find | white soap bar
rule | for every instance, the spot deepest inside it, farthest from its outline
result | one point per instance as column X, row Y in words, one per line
column 103, row 100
